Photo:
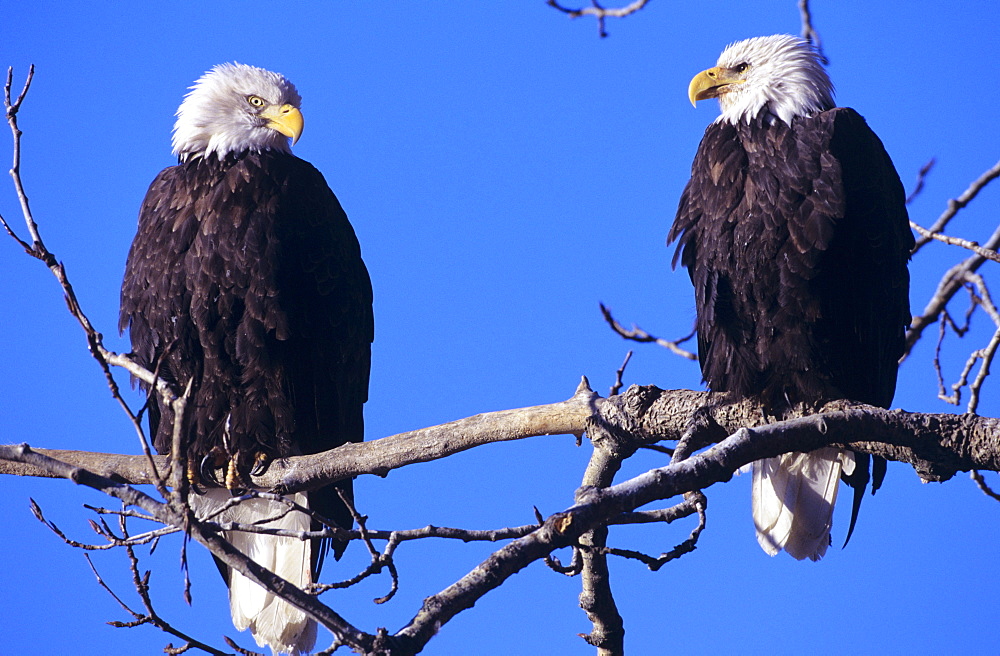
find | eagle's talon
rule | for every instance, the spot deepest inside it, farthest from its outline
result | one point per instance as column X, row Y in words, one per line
column 261, row 464
column 207, row 467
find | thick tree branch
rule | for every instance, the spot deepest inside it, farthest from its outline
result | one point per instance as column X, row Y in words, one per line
column 374, row 457
column 642, row 415
column 596, row 597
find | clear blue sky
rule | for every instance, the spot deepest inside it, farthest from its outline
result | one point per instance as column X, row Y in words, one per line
column 505, row 171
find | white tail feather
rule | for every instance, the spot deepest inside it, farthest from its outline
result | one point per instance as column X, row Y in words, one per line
column 793, row 499
column 273, row 622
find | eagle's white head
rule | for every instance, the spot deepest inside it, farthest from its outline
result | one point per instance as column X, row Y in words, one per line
column 781, row 76
column 235, row 108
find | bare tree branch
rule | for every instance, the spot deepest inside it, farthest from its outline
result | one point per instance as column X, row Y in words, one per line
column 951, row 282
column 979, row 297
column 921, row 177
column 617, row 386
column 956, row 204
column 169, row 514
column 809, row 33
column 596, row 597
column 957, row 241
column 599, row 12
column 637, row 334
column 373, row 457
column 981, row 484
column 649, row 415
column 38, row 250
column 695, row 502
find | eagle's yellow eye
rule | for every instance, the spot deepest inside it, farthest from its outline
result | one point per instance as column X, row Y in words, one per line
column 256, row 101
column 740, row 68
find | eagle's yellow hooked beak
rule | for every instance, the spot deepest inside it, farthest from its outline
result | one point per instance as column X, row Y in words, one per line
column 712, row 83
column 286, row 119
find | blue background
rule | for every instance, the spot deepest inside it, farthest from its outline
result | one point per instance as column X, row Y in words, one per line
column 505, row 170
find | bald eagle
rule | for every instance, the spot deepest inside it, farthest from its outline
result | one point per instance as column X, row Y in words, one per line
column 245, row 281
column 793, row 229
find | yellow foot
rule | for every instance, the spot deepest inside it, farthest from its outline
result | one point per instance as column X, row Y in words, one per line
column 193, row 477
column 233, row 479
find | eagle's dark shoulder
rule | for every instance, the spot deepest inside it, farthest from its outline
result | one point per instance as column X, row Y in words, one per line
column 866, row 291
column 325, row 294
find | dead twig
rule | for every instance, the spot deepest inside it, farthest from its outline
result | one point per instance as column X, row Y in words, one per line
column 979, row 297
column 637, row 334
column 599, row 12
column 951, row 282
column 809, row 33
column 982, row 485
column 141, row 583
column 921, row 177
column 987, row 253
column 956, row 204
column 618, row 375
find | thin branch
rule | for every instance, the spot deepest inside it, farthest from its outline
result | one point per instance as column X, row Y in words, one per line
column 951, row 282
column 955, row 277
column 11, row 108
column 139, row 619
column 575, row 564
column 113, row 541
column 617, row 386
column 980, row 297
column 220, row 548
column 982, row 485
column 987, row 354
column 240, row 650
column 637, row 334
column 383, row 560
column 921, row 178
column 989, row 254
column 150, row 616
column 694, row 502
column 809, row 33
column 599, row 12
column 956, row 204
column 669, row 515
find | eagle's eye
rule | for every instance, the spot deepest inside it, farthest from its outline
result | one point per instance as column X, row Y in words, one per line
column 256, row 101
column 741, row 68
